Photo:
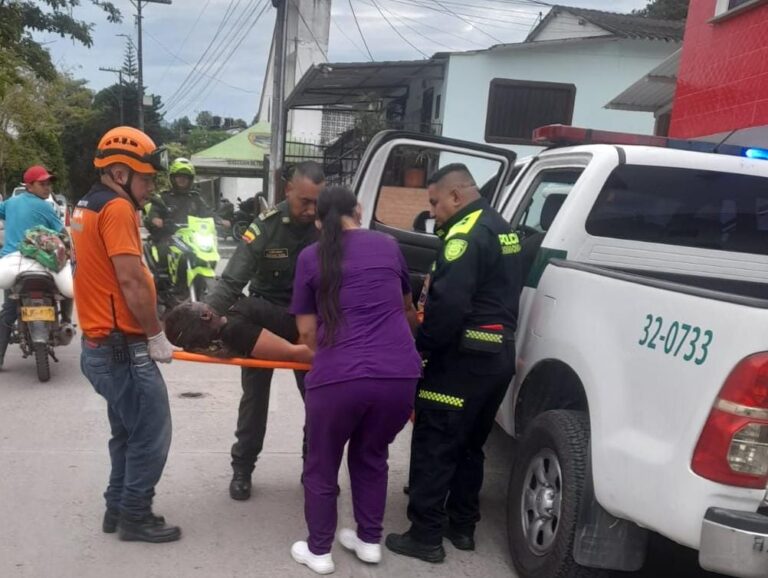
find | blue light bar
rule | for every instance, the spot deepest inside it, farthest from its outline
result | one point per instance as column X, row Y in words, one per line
column 756, row 154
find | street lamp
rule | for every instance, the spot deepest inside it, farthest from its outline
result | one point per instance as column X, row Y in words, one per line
column 138, row 4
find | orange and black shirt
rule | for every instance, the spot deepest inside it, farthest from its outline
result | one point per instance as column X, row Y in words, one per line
column 104, row 225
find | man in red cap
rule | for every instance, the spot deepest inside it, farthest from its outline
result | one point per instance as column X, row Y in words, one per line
column 22, row 212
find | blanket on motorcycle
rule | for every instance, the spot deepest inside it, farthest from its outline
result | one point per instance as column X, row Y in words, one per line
column 47, row 247
column 14, row 264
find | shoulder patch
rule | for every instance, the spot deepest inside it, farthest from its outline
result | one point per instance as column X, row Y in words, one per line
column 510, row 243
column 96, row 199
column 454, row 249
column 268, row 213
column 251, row 233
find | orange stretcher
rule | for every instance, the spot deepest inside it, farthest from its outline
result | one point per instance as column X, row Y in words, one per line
column 241, row 361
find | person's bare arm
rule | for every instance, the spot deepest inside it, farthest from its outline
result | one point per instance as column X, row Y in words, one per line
column 307, row 326
column 137, row 292
column 410, row 312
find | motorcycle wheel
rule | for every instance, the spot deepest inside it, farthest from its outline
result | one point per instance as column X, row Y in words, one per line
column 200, row 288
column 238, row 230
column 41, row 361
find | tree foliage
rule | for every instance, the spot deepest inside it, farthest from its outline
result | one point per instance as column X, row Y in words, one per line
column 19, row 19
column 665, row 9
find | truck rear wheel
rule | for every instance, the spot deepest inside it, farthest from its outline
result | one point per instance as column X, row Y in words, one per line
column 545, row 491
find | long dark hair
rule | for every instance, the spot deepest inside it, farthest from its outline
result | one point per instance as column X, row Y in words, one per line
column 333, row 203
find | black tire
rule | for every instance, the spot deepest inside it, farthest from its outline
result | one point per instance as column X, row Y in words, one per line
column 203, row 286
column 541, row 529
column 238, row 229
column 41, row 361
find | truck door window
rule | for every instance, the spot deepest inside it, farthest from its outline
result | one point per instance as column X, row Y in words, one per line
column 688, row 207
column 403, row 201
column 543, row 200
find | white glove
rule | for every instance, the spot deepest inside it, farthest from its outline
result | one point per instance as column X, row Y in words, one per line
column 160, row 349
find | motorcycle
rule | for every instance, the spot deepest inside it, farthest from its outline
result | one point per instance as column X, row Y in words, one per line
column 39, row 292
column 247, row 210
column 192, row 258
column 224, row 218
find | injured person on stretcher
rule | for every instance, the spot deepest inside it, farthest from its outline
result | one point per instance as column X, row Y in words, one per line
column 252, row 327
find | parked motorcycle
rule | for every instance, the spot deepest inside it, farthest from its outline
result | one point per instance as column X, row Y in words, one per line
column 243, row 217
column 192, row 258
column 224, row 218
column 39, row 328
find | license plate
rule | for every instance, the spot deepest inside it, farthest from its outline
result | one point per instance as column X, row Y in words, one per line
column 38, row 314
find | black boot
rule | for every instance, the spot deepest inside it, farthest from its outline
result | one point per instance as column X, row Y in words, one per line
column 146, row 529
column 405, row 545
column 460, row 540
column 240, row 486
column 111, row 517
column 5, row 338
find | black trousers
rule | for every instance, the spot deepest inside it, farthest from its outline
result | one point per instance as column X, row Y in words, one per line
column 254, row 404
column 447, row 459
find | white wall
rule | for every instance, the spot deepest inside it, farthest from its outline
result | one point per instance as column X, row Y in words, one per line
column 233, row 187
column 599, row 68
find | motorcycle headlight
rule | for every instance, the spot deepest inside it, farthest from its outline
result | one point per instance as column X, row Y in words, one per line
column 204, row 242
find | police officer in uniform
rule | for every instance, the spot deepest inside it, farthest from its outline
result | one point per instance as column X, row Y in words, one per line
column 467, row 340
column 266, row 261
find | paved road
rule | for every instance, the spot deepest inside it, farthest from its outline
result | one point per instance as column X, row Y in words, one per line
column 55, row 464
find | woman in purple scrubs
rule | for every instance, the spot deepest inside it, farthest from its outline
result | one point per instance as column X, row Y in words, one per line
column 353, row 305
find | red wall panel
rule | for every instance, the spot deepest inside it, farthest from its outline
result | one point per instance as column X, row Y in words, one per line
column 722, row 83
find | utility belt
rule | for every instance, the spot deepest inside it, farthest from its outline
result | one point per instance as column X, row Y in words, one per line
column 118, row 342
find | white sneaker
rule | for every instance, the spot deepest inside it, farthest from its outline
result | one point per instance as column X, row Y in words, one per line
column 366, row 552
column 322, row 564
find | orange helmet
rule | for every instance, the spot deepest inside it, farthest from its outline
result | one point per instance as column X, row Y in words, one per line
column 130, row 147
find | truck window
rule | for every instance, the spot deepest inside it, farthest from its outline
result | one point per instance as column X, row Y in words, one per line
column 687, row 207
column 544, row 198
column 403, row 201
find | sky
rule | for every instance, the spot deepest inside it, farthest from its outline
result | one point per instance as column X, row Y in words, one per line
column 177, row 36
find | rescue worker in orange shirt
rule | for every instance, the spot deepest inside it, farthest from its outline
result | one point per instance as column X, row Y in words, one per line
column 122, row 336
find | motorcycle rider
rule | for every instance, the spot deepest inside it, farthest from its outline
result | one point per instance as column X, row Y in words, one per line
column 21, row 213
column 172, row 207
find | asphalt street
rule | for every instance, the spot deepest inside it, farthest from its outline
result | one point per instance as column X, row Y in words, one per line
column 54, row 466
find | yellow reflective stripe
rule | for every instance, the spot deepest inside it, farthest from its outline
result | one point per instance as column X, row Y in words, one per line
column 484, row 336
column 465, row 225
column 441, row 398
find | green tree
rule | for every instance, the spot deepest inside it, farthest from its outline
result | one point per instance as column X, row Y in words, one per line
column 130, row 66
column 20, row 18
column 665, row 9
column 204, row 119
column 201, row 139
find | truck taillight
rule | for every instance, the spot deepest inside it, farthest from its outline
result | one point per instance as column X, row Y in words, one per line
column 733, row 447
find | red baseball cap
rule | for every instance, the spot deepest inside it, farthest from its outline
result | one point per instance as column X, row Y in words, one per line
column 37, row 173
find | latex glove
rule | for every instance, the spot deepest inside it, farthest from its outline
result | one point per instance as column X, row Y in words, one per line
column 160, row 349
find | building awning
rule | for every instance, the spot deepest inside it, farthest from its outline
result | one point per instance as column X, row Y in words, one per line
column 654, row 91
column 351, row 84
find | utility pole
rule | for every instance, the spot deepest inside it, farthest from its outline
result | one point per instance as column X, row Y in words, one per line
column 138, row 4
column 278, row 120
column 120, row 80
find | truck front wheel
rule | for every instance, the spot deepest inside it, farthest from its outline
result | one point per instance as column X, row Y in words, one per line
column 544, row 497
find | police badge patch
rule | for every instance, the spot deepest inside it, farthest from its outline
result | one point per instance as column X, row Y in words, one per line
column 454, row 249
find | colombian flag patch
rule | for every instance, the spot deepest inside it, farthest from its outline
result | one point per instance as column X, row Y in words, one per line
column 251, row 233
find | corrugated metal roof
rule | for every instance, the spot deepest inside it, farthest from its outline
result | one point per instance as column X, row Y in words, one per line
column 358, row 83
column 623, row 25
column 653, row 91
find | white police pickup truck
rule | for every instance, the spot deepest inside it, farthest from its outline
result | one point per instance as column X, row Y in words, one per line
column 641, row 394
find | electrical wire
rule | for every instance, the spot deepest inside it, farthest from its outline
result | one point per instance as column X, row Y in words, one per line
column 311, row 32
column 411, row 44
column 360, row 30
column 352, row 42
column 491, row 36
column 225, row 19
column 231, row 38
column 412, row 29
column 441, row 30
column 241, row 34
column 189, row 33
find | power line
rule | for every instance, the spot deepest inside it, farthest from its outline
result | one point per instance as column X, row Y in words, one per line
column 224, row 44
column 411, row 44
column 441, row 30
column 225, row 19
column 352, row 42
column 180, row 59
column 412, row 29
column 468, row 22
column 360, row 30
column 189, row 33
column 317, row 43
column 240, row 35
